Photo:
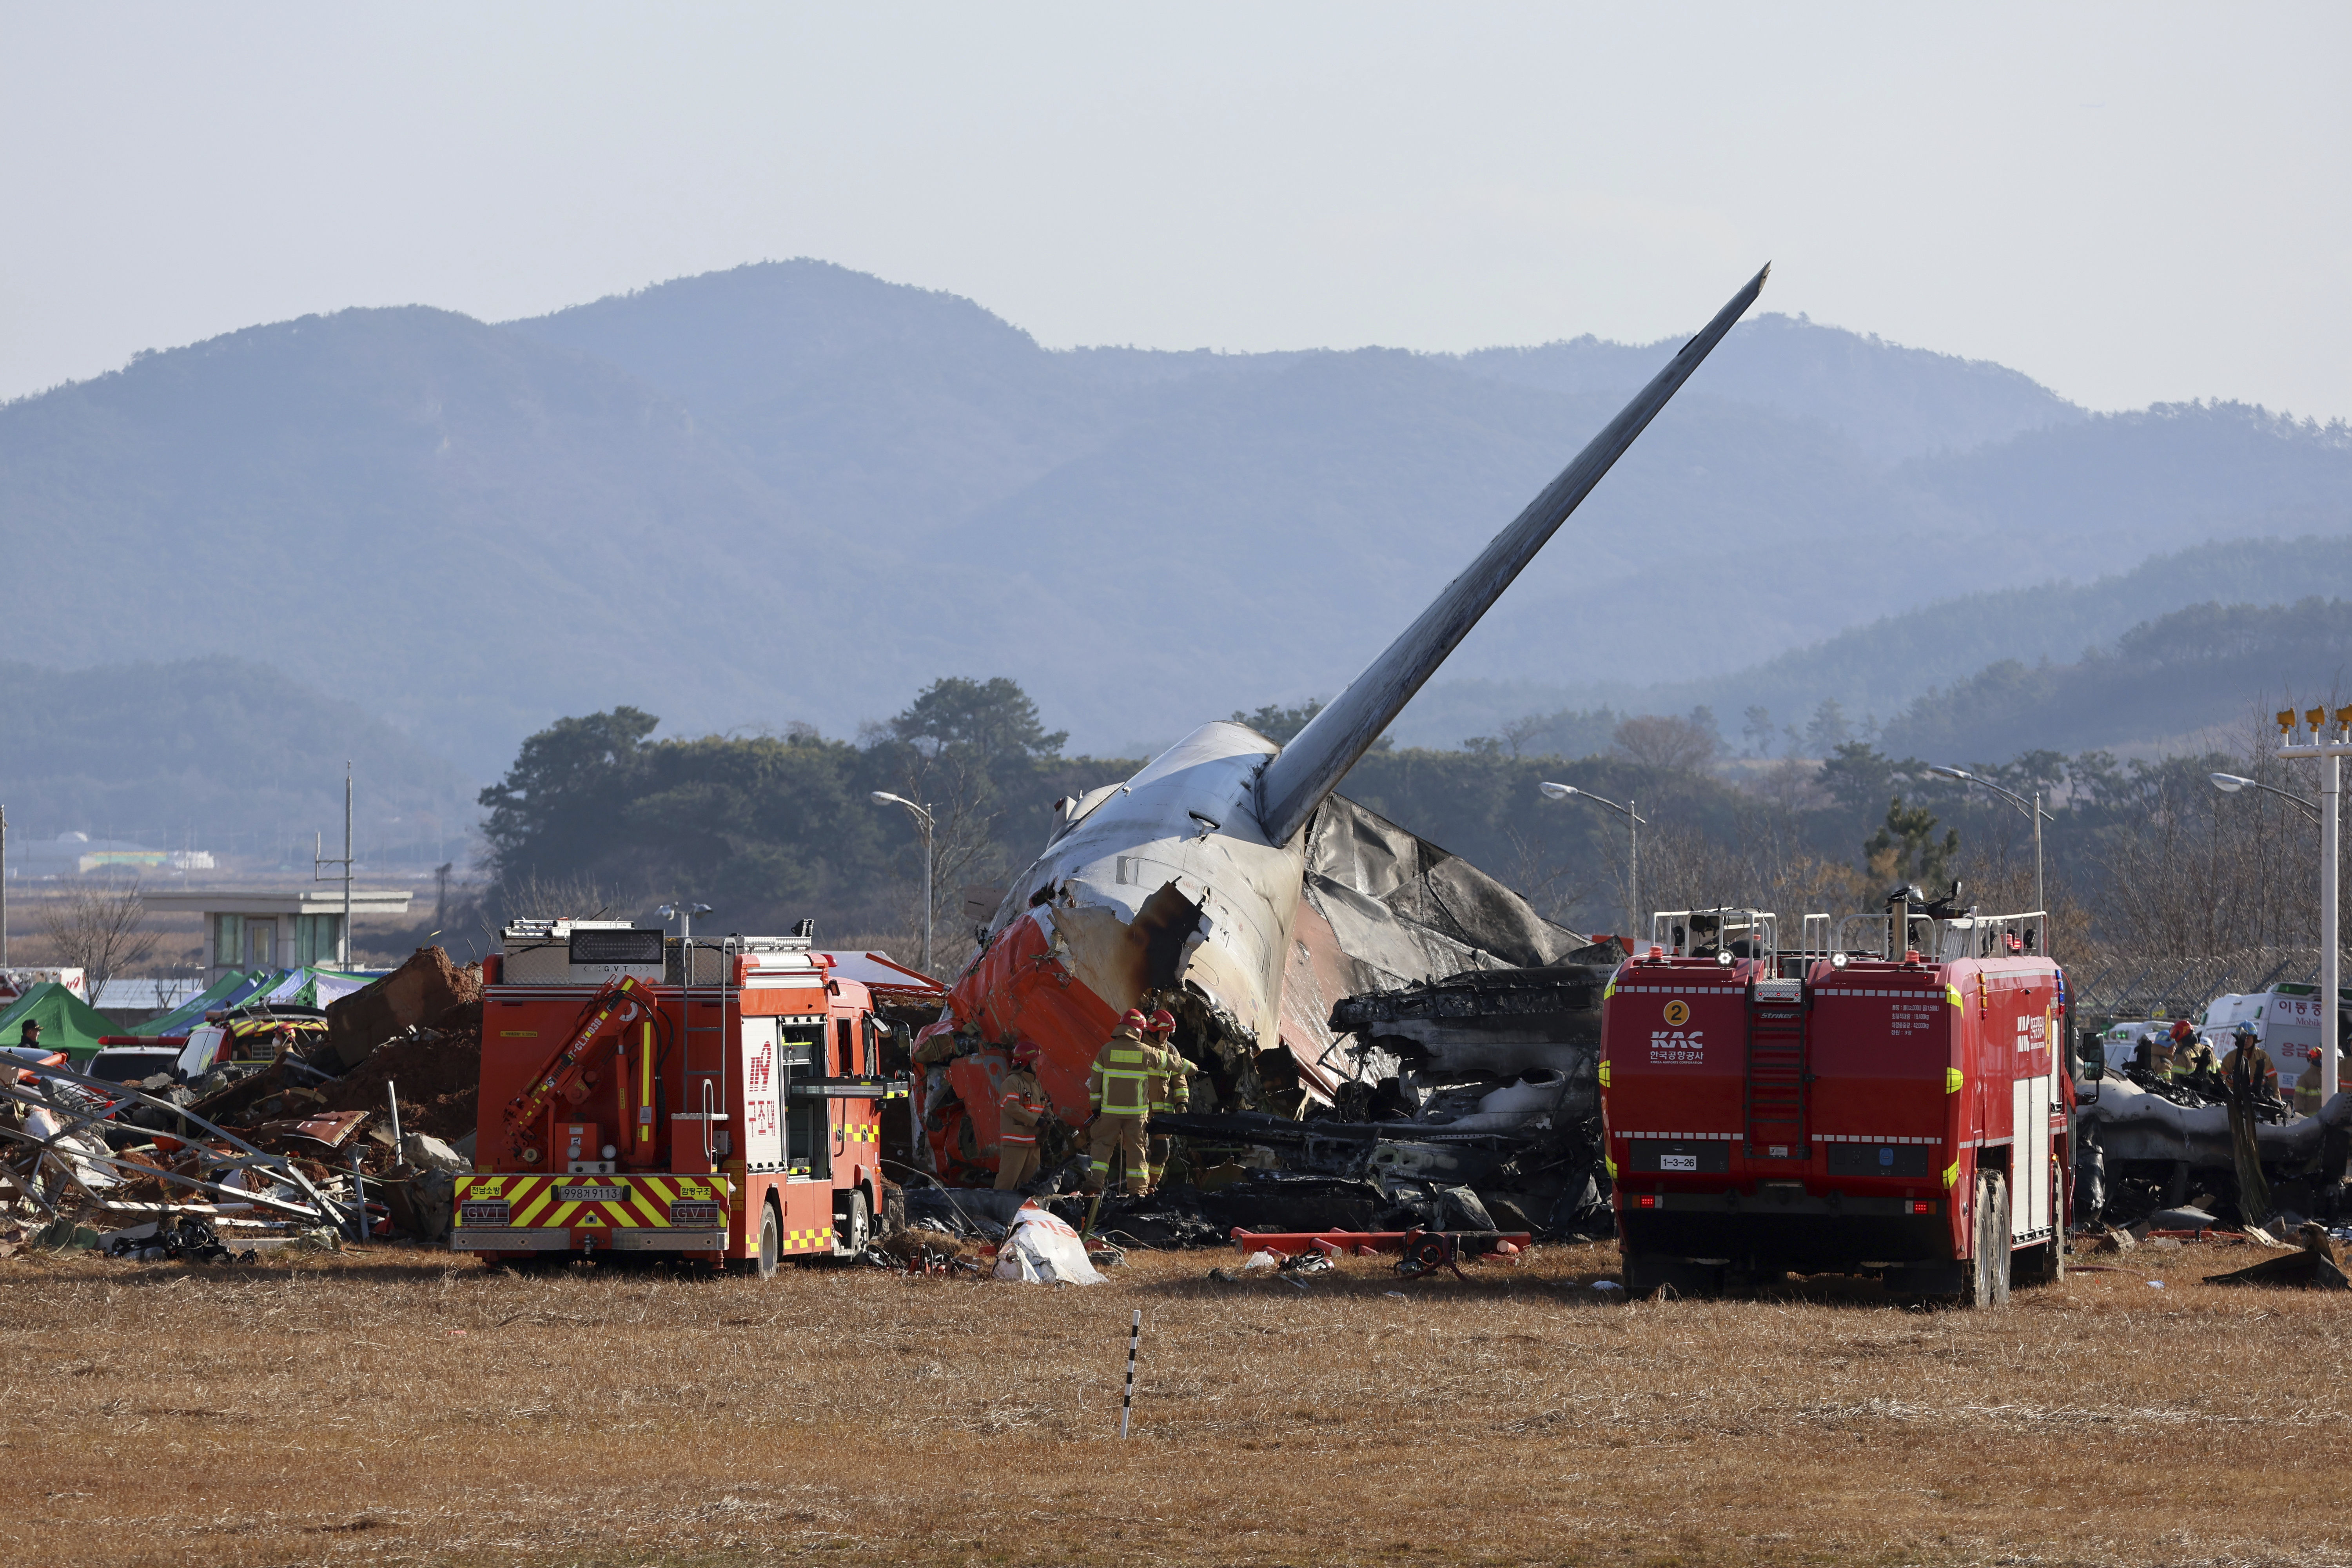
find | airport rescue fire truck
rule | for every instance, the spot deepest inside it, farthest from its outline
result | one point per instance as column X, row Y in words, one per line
column 1898, row 1108
column 711, row 1102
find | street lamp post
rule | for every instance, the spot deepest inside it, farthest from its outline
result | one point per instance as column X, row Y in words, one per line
column 2331, row 976
column 2230, row 783
column 922, row 816
column 2033, row 809
column 1633, row 851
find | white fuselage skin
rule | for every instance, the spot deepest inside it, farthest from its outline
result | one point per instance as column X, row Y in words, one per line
column 1190, row 818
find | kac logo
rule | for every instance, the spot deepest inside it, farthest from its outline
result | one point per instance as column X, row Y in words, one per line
column 1672, row 1047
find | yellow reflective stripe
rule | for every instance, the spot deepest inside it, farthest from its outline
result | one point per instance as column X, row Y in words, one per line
column 641, row 1202
column 1952, row 995
column 1952, row 1079
column 645, row 1100
column 1608, row 990
column 1612, row 1166
column 1604, row 1075
column 1951, row 1175
column 528, row 1213
column 561, row 1215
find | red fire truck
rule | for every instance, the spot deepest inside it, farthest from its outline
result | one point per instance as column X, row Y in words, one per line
column 713, row 1101
column 1897, row 1109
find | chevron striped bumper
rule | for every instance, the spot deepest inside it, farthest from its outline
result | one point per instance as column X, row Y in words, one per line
column 617, row 1212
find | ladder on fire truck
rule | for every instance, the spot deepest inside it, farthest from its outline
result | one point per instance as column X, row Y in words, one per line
column 1778, row 1072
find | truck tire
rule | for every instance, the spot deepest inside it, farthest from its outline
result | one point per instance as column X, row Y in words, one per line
column 854, row 1228
column 1988, row 1271
column 771, row 1241
column 1647, row 1274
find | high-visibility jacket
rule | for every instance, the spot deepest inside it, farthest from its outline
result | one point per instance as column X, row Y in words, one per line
column 1171, row 1088
column 1019, row 1102
column 2251, row 1074
column 1120, row 1082
column 2190, row 1059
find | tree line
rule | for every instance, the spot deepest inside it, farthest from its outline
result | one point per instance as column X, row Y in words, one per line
column 597, row 814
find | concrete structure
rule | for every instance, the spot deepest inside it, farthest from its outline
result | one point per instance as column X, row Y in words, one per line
column 274, row 927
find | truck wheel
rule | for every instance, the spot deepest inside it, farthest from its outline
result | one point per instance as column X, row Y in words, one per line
column 1988, row 1271
column 1646, row 1274
column 771, row 1241
column 853, row 1230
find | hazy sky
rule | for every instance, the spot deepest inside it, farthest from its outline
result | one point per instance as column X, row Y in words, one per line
column 2130, row 202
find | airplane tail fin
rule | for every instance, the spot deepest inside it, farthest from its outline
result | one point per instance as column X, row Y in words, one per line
column 1295, row 782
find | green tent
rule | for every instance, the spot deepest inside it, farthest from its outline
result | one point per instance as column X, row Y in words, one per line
column 67, row 1023
column 190, row 1013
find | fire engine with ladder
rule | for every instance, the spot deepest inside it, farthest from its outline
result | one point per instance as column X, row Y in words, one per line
column 702, row 1101
column 1889, row 1100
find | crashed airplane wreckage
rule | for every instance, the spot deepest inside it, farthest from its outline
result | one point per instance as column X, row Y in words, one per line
column 2165, row 1156
column 1227, row 882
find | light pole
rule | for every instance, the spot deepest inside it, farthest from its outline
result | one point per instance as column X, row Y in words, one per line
column 343, row 942
column 922, row 816
column 2033, row 809
column 2330, row 932
column 1633, row 853
column 2230, row 783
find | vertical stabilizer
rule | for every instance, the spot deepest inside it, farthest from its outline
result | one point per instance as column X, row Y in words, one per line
column 1311, row 766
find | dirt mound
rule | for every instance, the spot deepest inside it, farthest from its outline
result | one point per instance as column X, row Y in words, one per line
column 436, row 1071
column 421, row 990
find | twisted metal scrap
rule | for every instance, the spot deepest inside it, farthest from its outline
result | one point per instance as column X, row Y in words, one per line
column 114, row 1097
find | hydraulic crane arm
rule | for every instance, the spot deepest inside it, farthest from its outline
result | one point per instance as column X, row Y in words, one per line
column 612, row 1008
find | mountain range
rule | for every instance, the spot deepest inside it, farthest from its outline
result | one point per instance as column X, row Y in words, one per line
column 793, row 493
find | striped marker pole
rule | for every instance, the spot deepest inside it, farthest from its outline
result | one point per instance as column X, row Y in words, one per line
column 1127, row 1404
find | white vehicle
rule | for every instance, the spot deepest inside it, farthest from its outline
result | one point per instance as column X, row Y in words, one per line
column 2287, row 1019
column 2119, row 1043
column 131, row 1063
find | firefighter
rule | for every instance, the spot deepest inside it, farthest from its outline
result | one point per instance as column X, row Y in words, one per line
column 2192, row 1058
column 2253, row 1084
column 1119, row 1088
column 936, row 1051
column 2248, row 1069
column 1171, row 1090
column 2306, row 1086
column 1020, row 1101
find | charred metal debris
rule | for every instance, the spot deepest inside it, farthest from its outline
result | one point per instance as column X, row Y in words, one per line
column 349, row 1131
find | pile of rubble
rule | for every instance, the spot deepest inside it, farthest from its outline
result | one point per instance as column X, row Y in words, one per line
column 349, row 1131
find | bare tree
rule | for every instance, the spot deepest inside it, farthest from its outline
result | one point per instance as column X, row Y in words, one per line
column 1669, row 745
column 100, row 929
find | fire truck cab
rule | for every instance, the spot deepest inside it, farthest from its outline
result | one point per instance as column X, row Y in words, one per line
column 712, row 1101
column 1893, row 1107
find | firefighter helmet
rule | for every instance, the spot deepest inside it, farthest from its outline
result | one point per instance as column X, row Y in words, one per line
column 1163, row 1022
column 1025, row 1052
column 1133, row 1020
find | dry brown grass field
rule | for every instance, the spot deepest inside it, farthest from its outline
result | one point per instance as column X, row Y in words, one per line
column 400, row 1407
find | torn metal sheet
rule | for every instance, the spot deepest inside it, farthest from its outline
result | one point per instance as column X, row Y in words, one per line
column 330, row 1130
column 1496, row 1022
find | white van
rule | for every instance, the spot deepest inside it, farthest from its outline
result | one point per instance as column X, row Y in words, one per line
column 2287, row 1019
